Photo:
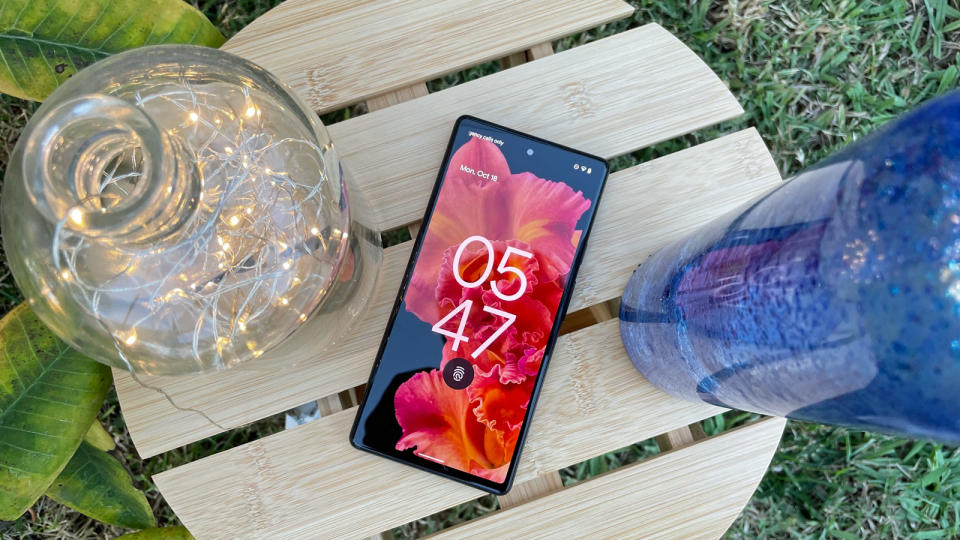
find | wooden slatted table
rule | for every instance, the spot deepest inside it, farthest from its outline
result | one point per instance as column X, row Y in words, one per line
column 609, row 97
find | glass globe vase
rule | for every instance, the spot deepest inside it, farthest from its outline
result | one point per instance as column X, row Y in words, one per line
column 176, row 209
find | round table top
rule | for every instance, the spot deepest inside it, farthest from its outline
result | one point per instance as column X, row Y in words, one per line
column 608, row 97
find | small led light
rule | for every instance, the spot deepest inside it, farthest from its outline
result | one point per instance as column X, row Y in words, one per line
column 228, row 150
column 284, row 301
column 132, row 338
column 303, row 316
column 194, row 116
column 77, row 216
column 287, row 264
column 251, row 110
column 66, row 275
column 234, row 221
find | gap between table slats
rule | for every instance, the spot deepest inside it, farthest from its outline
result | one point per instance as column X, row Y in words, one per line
column 593, row 401
column 211, row 403
column 338, row 52
column 693, row 492
column 550, row 481
column 609, row 97
column 547, row 482
column 348, row 398
column 634, row 205
column 643, row 208
column 657, row 69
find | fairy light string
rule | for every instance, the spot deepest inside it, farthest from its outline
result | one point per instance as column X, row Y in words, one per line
column 245, row 258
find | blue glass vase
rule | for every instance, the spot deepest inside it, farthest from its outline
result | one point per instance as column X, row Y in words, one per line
column 834, row 298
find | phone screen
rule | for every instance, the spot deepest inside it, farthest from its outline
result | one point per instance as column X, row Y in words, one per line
column 463, row 355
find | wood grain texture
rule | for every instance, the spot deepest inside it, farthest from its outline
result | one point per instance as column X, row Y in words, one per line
column 551, row 481
column 163, row 413
column 539, row 51
column 680, row 437
column 659, row 200
column 638, row 212
column 329, row 404
column 534, row 488
column 608, row 97
column 392, row 98
column 514, row 59
column 691, row 493
column 309, row 480
column 338, row 52
column 400, row 95
column 394, row 154
column 590, row 376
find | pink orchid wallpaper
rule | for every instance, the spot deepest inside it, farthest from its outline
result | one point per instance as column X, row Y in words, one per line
column 476, row 429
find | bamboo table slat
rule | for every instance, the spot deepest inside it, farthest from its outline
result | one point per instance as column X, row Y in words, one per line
column 338, row 52
column 609, row 97
column 689, row 493
column 665, row 91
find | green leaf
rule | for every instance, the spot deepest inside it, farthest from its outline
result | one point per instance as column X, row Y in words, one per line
column 95, row 484
column 43, row 42
column 49, row 396
column 597, row 465
column 99, row 437
column 164, row 533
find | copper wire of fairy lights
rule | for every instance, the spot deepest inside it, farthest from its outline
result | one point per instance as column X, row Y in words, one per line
column 236, row 261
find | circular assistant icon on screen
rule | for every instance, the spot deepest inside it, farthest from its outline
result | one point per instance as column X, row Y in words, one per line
column 458, row 373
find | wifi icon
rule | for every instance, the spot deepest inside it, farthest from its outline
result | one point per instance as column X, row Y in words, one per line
column 458, row 373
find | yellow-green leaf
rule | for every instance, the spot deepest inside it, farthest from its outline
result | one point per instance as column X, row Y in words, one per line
column 49, row 396
column 164, row 533
column 95, row 484
column 43, row 42
column 99, row 437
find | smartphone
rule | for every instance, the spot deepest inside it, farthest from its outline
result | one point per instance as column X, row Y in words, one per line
column 461, row 363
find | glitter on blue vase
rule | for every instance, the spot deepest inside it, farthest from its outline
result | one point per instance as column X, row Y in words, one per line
column 834, row 298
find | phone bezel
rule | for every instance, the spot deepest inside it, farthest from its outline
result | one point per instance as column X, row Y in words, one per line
column 425, row 464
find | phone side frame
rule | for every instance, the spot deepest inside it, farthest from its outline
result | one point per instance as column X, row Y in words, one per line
column 442, row 470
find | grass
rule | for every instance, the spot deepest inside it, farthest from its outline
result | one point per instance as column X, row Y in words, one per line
column 812, row 75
